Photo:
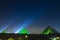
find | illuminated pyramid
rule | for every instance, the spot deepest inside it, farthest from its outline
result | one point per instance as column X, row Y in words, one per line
column 3, row 31
column 50, row 30
column 23, row 31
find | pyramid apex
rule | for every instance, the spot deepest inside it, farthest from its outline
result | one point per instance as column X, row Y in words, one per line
column 49, row 26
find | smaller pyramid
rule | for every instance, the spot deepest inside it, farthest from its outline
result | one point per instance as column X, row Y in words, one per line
column 50, row 30
column 23, row 31
column 3, row 31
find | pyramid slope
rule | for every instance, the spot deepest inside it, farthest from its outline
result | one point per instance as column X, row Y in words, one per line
column 50, row 30
column 3, row 31
column 23, row 31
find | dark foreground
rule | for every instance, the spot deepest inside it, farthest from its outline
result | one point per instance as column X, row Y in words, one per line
column 29, row 37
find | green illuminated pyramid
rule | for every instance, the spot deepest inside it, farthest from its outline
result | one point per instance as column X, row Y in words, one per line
column 23, row 31
column 3, row 32
column 50, row 30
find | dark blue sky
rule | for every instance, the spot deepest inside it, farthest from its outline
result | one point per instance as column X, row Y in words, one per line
column 41, row 13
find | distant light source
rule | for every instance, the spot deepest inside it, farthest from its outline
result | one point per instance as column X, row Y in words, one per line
column 26, row 36
column 57, row 37
column 10, row 39
column 53, row 38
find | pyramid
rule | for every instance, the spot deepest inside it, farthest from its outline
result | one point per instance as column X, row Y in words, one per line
column 3, row 31
column 50, row 30
column 23, row 31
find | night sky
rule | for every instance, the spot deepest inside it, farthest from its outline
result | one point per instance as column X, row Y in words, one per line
column 34, row 15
